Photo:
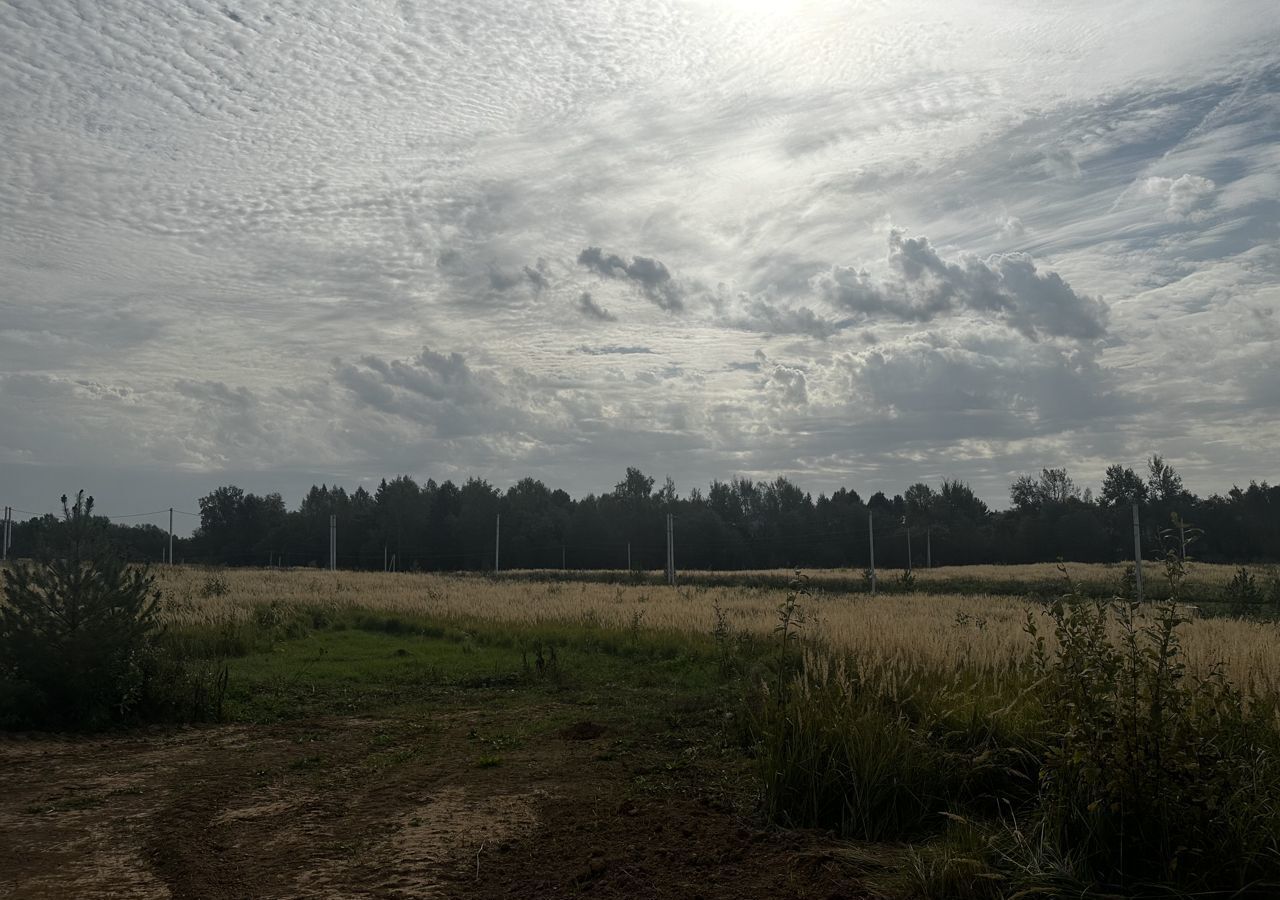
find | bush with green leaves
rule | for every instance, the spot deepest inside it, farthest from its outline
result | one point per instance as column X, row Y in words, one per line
column 1101, row 765
column 1149, row 773
column 81, row 645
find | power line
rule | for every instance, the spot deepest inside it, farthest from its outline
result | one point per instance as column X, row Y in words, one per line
column 158, row 512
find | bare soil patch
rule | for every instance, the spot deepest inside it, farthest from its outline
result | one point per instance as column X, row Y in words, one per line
column 396, row 807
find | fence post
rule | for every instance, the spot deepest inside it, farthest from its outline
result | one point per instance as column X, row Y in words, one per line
column 666, row 563
column 871, row 541
column 908, row 527
column 671, row 550
column 333, row 543
column 1137, row 554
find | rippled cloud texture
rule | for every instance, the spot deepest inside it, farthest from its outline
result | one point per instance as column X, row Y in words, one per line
column 856, row 243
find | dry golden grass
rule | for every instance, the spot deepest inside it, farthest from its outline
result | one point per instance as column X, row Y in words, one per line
column 1033, row 573
column 903, row 632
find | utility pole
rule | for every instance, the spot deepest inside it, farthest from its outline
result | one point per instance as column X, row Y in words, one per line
column 170, row 535
column 628, row 556
column 384, row 557
column 1137, row 554
column 562, row 557
column 497, row 540
column 333, row 543
column 4, row 535
column 928, row 547
column 671, row 550
column 871, row 541
column 908, row 527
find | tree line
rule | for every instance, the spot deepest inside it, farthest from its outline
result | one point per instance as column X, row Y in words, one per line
column 736, row 524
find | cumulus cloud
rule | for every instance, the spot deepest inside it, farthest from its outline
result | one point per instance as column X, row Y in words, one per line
column 231, row 417
column 505, row 278
column 1188, row 197
column 1011, row 227
column 921, row 286
column 428, row 375
column 933, row 389
column 217, row 393
column 593, row 310
column 537, row 276
column 649, row 275
column 437, row 396
column 762, row 314
column 788, row 386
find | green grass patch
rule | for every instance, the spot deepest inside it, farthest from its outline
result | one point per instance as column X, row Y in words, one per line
column 295, row 664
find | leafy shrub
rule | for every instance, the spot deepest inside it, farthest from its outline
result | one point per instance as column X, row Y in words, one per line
column 271, row 615
column 1127, row 588
column 546, row 664
column 215, row 586
column 80, row 642
column 1100, row 763
column 1147, row 773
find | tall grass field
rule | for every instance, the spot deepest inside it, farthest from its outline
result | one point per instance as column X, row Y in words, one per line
column 1065, row 740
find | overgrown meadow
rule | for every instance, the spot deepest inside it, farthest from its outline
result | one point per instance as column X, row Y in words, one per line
column 1065, row 741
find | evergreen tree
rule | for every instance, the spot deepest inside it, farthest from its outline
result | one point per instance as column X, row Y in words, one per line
column 77, row 631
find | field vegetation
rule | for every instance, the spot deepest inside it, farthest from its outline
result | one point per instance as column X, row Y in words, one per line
column 1218, row 587
column 963, row 739
column 1020, row 746
column 901, row 632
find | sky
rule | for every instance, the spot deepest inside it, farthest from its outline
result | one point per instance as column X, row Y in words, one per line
column 859, row 243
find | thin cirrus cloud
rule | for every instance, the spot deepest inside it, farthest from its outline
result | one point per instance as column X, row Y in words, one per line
column 323, row 241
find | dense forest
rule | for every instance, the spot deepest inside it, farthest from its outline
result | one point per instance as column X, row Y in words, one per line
column 734, row 524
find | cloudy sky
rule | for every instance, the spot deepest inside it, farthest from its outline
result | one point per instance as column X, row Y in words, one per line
column 859, row 243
